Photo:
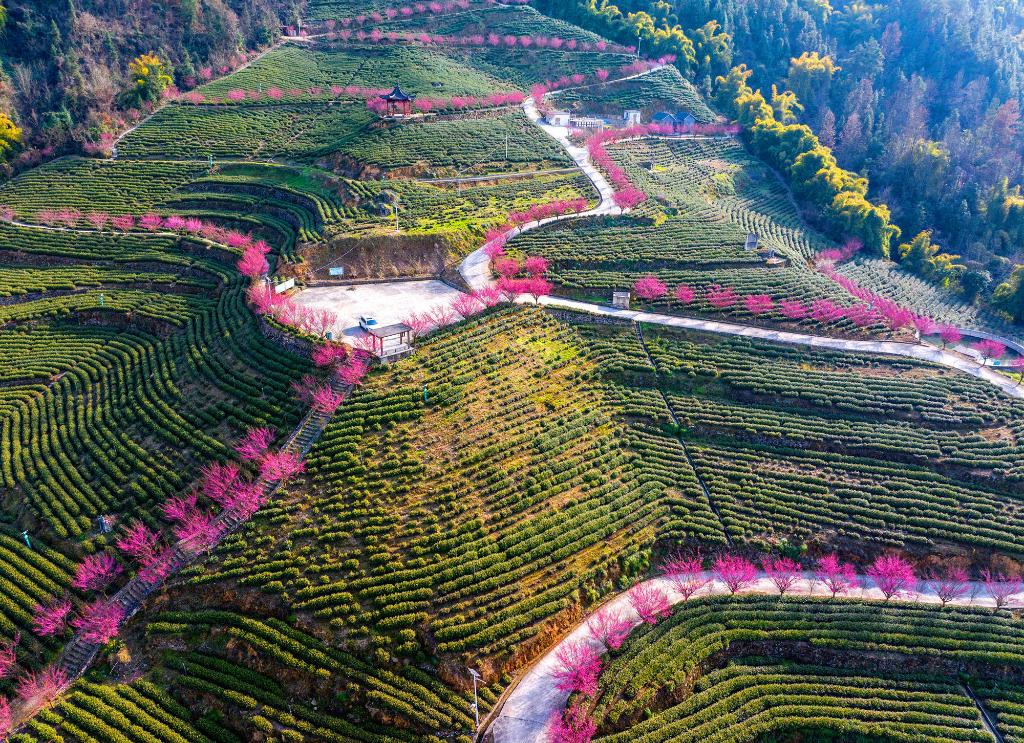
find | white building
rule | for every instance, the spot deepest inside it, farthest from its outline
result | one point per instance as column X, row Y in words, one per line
column 558, row 118
column 631, row 117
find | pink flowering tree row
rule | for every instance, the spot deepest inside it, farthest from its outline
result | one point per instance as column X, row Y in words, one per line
column 492, row 40
column 265, row 301
column 455, row 103
column 411, row 10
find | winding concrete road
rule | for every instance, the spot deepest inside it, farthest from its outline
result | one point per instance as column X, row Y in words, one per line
column 525, row 715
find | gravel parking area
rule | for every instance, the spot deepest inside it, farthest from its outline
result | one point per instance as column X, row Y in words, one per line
column 387, row 302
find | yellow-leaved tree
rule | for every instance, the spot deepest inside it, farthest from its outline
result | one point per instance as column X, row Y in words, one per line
column 150, row 78
column 10, row 136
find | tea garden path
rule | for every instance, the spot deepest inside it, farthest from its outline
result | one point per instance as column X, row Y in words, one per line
column 532, row 700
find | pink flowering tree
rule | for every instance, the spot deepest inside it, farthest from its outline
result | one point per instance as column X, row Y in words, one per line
column 609, row 628
column 650, row 288
column 1000, row 586
column 579, row 667
column 536, row 265
column 354, row 371
column 38, row 688
column 99, row 621
column 96, row 572
column 684, row 294
column 649, row 602
column 950, row 335
column 990, row 349
column 949, row 584
column 9, row 657
column 737, row 573
column 838, row 577
column 326, row 400
column 758, row 304
column 5, row 717
column 138, row 541
column 506, row 267
column 50, row 619
column 252, row 264
column 572, row 726
column 793, row 309
column 255, row 443
column 467, row 305
column 329, row 354
column 892, row 575
column 280, row 466
column 685, row 574
column 782, row 572
column 720, row 297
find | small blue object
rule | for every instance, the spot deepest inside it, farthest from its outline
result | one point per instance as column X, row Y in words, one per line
column 424, row 393
column 28, row 542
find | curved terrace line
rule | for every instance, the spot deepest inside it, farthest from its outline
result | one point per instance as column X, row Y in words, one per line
column 525, row 714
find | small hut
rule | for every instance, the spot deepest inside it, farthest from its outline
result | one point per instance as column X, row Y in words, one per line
column 398, row 103
column 391, row 342
column 752, row 241
column 620, row 300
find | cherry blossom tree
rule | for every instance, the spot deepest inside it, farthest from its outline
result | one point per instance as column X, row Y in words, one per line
column 892, row 575
column 838, row 577
column 280, row 466
column 38, row 688
column 793, row 309
column 782, row 572
column 9, row 657
column 326, row 400
column 198, row 530
column 255, row 443
column 758, row 304
column 629, row 197
column 949, row 584
column 418, row 323
column 990, row 349
column 601, row 74
column 5, row 717
column 353, row 372
column 98, row 219
column 609, row 628
column 720, row 297
column 1000, row 586
column 650, row 288
column 925, row 325
column 1017, row 365
column 737, row 573
column 156, row 567
column 467, row 305
column 572, row 726
column 96, row 572
column 579, row 667
column 537, row 287
column 536, row 265
column 179, row 508
column 950, row 335
column 684, row 294
column 218, row 480
column 50, row 619
column 686, row 574
column 506, row 267
column 441, row 315
column 139, row 541
column 151, row 222
column 252, row 264
column 490, row 296
column 99, row 621
column 330, row 354
column 649, row 602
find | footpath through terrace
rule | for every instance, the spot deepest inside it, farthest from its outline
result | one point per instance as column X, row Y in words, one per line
column 528, row 708
column 78, row 654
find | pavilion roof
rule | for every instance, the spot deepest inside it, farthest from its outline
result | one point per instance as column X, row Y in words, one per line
column 397, row 96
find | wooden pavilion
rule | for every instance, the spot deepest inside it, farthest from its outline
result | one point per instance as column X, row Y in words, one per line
column 398, row 102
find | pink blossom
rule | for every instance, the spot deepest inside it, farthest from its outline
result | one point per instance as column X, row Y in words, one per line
column 329, row 354
column 467, row 305
column 506, row 267
column 737, row 573
column 96, row 572
column 649, row 602
column 793, row 309
column 156, row 567
column 280, row 466
column 579, row 667
column 685, row 574
column 838, row 577
column 353, row 372
column 990, row 349
column 608, row 628
column 1000, row 586
column 8, row 659
column 198, row 530
column 38, row 688
column 99, row 621
column 326, row 400
column 218, row 481
column 174, row 222
column 255, row 443
column 684, row 294
column 139, row 541
column 151, row 222
column 782, row 572
column 650, row 288
column 98, row 219
column 720, row 297
column 758, row 304
column 536, row 265
column 950, row 335
column 950, row 584
column 5, row 717
column 252, row 264
column 490, row 296
column 180, row 508
column 50, row 619
column 892, row 575
column 601, row 75
column 574, row 726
